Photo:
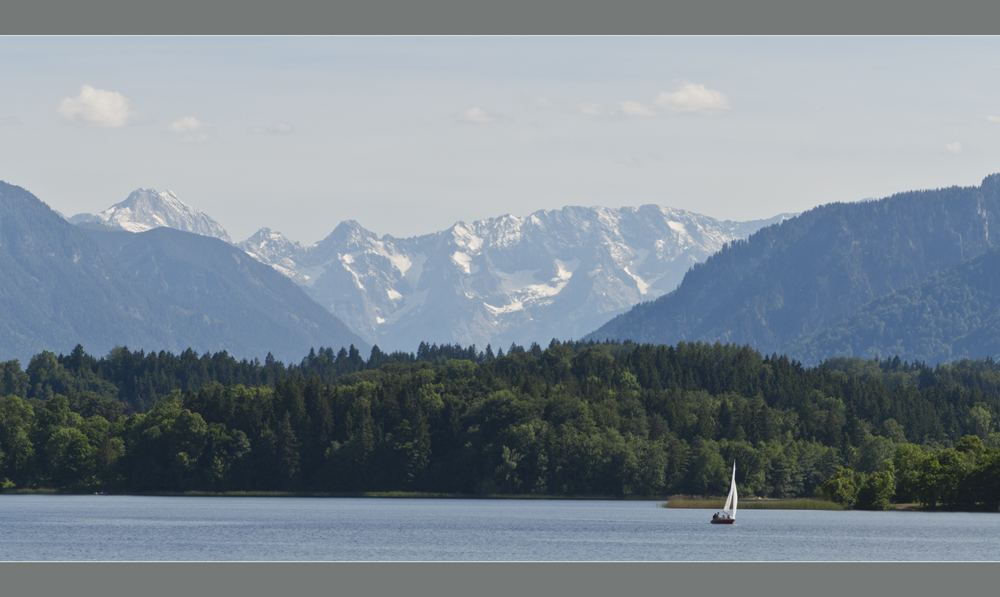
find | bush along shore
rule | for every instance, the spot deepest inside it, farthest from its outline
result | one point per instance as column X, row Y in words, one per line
column 574, row 419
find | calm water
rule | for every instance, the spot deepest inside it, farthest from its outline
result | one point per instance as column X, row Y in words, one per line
column 40, row 527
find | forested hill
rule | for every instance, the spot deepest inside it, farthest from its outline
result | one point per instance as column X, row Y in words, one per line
column 59, row 288
column 573, row 419
column 225, row 299
column 62, row 285
column 952, row 315
column 811, row 272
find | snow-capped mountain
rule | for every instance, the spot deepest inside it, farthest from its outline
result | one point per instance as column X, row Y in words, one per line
column 146, row 209
column 277, row 251
column 553, row 274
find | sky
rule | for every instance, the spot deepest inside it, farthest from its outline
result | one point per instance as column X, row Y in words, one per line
column 408, row 135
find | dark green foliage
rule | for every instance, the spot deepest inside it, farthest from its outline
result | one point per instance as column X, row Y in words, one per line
column 876, row 491
column 965, row 477
column 843, row 486
column 574, row 419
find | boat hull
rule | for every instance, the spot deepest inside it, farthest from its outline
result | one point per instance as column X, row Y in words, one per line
column 723, row 521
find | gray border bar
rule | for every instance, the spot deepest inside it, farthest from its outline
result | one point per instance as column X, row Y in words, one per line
column 493, row 579
column 496, row 17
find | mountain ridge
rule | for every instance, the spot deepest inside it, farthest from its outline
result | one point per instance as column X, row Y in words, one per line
column 951, row 315
column 61, row 287
column 815, row 270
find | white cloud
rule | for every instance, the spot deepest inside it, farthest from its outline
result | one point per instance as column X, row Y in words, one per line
column 192, row 129
column 954, row 148
column 636, row 109
column 187, row 124
column 993, row 118
column 476, row 115
column 9, row 121
column 98, row 107
column 693, row 97
column 590, row 109
column 279, row 129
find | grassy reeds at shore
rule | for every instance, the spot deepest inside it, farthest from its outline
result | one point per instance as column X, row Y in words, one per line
column 23, row 491
column 716, row 503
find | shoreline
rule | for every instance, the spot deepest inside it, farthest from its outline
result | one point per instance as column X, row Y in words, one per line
column 716, row 503
column 359, row 494
column 674, row 501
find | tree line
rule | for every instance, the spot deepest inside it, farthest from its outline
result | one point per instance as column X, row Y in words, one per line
column 575, row 418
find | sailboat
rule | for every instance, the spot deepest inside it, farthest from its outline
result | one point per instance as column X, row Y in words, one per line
column 728, row 517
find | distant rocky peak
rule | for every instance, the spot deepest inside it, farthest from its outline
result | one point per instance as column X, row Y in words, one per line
column 145, row 209
column 274, row 249
column 267, row 241
column 348, row 234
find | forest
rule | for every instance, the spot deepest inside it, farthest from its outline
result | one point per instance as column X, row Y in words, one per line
column 612, row 419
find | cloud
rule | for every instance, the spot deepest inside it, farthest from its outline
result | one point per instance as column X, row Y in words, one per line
column 545, row 103
column 693, row 97
column 993, row 118
column 636, row 109
column 192, row 129
column 590, row 109
column 954, row 148
column 9, row 121
column 282, row 128
column 98, row 107
column 187, row 124
column 476, row 115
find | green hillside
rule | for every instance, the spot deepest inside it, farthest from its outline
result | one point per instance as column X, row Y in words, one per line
column 952, row 315
column 808, row 274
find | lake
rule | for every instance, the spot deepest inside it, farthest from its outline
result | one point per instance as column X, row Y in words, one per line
column 143, row 528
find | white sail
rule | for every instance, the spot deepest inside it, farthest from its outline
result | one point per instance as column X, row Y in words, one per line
column 732, row 499
column 732, row 489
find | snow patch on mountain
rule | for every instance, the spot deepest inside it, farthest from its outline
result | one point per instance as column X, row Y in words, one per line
column 463, row 261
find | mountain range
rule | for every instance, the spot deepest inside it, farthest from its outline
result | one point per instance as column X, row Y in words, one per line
column 161, row 289
column 911, row 274
column 503, row 280
column 553, row 274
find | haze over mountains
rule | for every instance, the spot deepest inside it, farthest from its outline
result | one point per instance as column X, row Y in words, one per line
column 159, row 290
column 898, row 275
